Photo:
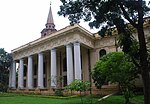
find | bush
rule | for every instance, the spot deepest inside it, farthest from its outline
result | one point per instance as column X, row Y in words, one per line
column 79, row 85
column 58, row 92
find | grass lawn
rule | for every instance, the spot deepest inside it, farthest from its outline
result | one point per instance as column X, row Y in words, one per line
column 31, row 99
column 120, row 100
column 19, row 99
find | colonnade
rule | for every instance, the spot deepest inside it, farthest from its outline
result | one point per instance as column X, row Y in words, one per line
column 73, row 68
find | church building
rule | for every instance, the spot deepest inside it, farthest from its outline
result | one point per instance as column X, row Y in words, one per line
column 69, row 53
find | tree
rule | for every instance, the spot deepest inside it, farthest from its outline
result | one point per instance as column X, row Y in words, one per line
column 57, row 81
column 116, row 67
column 5, row 62
column 108, row 14
column 79, row 85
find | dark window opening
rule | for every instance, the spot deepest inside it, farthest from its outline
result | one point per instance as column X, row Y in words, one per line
column 35, row 83
column 44, row 80
column 102, row 53
column 25, row 71
column 81, row 63
column 35, row 69
column 24, row 83
column 44, row 68
column 65, row 80
column 64, row 64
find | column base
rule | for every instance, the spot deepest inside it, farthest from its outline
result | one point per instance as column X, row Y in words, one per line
column 39, row 87
column 12, row 88
column 20, row 88
column 30, row 88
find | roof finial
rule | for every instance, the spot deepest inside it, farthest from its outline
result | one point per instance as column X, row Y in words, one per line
column 50, row 3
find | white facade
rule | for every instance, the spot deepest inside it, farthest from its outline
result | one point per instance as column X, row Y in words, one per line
column 70, row 53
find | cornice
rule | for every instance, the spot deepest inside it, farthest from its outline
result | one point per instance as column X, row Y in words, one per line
column 59, row 33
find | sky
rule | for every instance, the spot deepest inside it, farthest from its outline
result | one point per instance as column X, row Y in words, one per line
column 21, row 21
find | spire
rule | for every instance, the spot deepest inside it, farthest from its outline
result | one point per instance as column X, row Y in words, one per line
column 50, row 16
column 50, row 26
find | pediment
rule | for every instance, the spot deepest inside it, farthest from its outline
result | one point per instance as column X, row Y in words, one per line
column 64, row 36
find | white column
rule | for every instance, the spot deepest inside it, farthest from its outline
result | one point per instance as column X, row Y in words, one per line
column 77, row 60
column 13, row 83
column 20, row 74
column 30, row 72
column 40, row 71
column 53, row 68
column 69, row 63
column 10, row 76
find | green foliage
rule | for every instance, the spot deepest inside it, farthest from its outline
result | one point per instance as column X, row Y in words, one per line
column 79, row 85
column 5, row 59
column 119, row 14
column 57, row 81
column 5, row 62
column 58, row 92
column 116, row 67
column 98, row 12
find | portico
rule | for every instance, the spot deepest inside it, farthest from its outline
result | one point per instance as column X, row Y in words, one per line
column 54, row 61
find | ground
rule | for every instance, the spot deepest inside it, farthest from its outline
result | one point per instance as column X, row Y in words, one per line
column 38, row 99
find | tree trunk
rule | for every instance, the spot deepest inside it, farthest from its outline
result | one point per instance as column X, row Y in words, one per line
column 144, row 65
column 146, row 88
column 143, row 55
column 127, row 101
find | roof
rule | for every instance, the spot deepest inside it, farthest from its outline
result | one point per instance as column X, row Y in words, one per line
column 53, row 35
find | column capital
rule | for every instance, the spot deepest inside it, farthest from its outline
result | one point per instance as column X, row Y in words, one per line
column 21, row 59
column 76, row 43
column 30, row 56
column 40, row 53
column 53, row 49
column 69, row 45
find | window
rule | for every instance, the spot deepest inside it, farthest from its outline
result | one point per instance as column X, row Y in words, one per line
column 102, row 52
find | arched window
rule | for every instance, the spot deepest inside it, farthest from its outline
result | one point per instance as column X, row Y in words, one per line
column 102, row 52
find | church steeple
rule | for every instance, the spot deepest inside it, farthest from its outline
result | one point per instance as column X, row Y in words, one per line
column 50, row 16
column 50, row 26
